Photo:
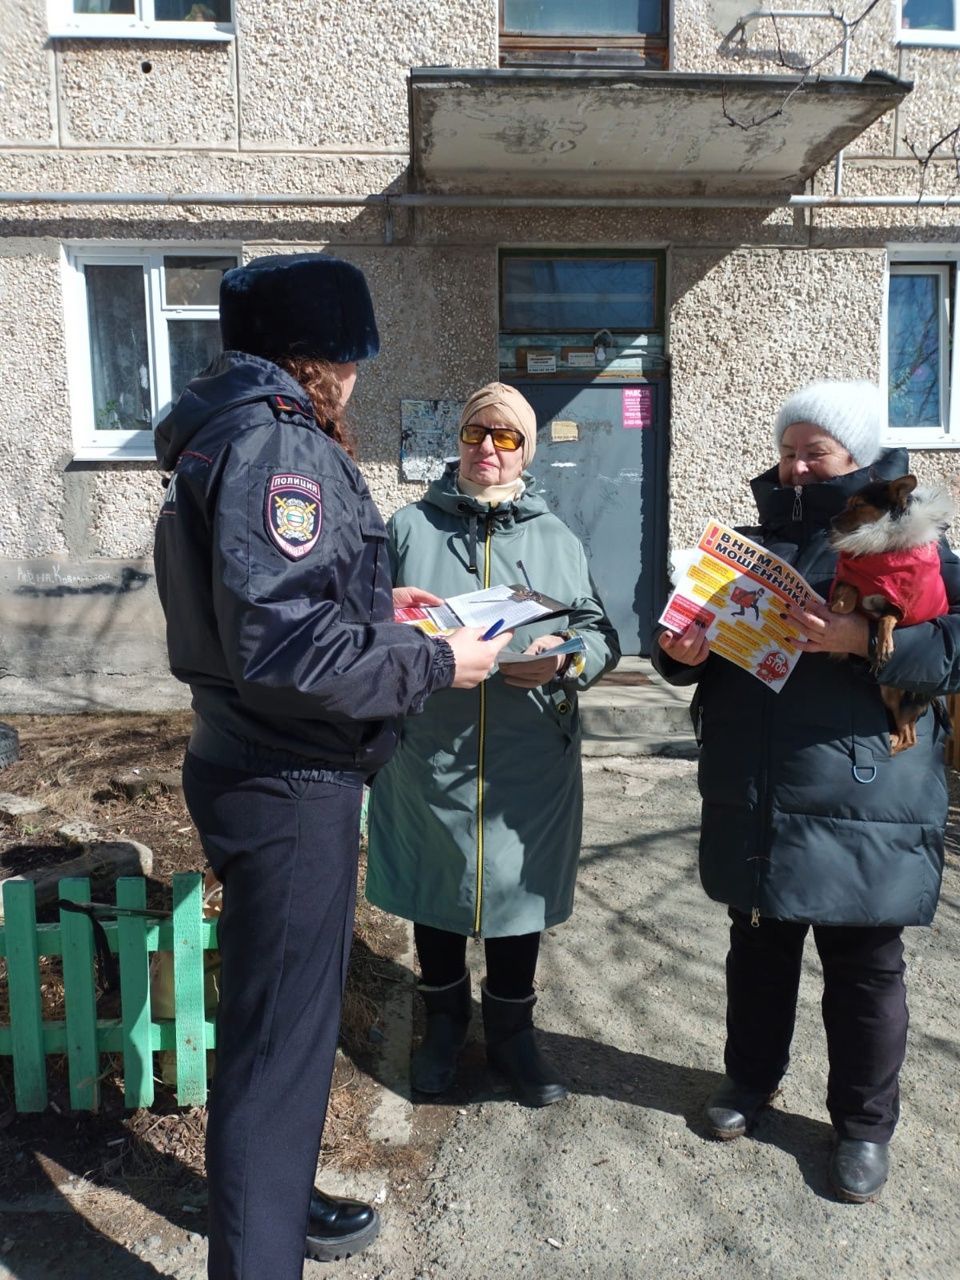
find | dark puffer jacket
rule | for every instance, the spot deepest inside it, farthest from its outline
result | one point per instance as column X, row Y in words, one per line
column 806, row 816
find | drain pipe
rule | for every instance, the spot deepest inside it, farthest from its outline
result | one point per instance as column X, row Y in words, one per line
column 414, row 200
column 822, row 14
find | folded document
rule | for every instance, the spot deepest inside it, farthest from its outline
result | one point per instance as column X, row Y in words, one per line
column 511, row 606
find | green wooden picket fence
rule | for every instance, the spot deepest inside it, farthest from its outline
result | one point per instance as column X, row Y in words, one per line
column 81, row 1035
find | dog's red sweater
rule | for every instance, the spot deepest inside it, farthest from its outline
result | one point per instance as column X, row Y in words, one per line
column 909, row 579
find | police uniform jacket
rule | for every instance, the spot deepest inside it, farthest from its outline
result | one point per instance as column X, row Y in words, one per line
column 806, row 815
column 272, row 570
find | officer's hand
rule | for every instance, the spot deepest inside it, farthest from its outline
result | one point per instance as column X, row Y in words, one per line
column 474, row 657
column 691, row 646
column 404, row 597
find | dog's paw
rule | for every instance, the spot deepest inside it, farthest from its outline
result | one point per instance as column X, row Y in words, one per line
column 883, row 653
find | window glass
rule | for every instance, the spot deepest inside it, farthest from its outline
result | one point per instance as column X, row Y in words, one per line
column 192, row 10
column 579, row 293
column 162, row 10
column 138, row 330
column 914, row 349
column 194, row 281
column 103, row 6
column 928, row 15
column 574, row 18
column 119, row 359
column 193, row 344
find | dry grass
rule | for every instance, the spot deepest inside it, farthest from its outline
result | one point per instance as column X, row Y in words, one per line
column 69, row 763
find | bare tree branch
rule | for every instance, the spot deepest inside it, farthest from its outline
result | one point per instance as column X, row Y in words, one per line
column 923, row 159
column 792, row 63
column 734, row 44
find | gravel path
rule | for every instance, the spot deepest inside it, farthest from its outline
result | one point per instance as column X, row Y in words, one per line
column 621, row 1181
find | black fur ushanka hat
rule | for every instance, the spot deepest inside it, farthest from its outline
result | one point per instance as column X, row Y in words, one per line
column 302, row 304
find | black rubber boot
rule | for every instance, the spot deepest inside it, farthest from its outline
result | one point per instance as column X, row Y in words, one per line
column 858, row 1169
column 731, row 1111
column 339, row 1228
column 434, row 1064
column 512, row 1050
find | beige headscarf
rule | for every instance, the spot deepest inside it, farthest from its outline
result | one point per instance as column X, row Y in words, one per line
column 513, row 409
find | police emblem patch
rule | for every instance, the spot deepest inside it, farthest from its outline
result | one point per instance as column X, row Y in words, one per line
column 292, row 513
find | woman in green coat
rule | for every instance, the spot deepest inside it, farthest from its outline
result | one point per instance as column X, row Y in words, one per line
column 475, row 824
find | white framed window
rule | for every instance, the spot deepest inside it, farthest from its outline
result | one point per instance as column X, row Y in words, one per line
column 140, row 321
column 928, row 22
column 142, row 19
column 920, row 364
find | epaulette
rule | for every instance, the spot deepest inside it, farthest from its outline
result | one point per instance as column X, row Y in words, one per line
column 285, row 407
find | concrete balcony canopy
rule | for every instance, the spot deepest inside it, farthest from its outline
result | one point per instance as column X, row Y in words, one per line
column 566, row 131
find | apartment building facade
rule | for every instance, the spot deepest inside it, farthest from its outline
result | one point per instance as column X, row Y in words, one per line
column 657, row 220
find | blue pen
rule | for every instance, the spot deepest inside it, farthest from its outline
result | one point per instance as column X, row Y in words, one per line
column 492, row 631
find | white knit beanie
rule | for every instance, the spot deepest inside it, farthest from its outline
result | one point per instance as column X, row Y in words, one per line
column 852, row 412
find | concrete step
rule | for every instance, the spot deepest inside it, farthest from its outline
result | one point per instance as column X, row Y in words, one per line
column 633, row 712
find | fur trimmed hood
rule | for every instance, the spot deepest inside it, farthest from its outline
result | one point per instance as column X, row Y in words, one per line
column 927, row 517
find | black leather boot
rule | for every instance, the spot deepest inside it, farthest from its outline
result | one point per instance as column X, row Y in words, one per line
column 859, row 1169
column 339, row 1228
column 732, row 1109
column 434, row 1064
column 512, row 1050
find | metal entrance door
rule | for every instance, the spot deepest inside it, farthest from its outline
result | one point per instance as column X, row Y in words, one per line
column 600, row 459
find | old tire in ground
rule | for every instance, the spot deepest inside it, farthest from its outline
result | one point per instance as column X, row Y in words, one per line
column 9, row 745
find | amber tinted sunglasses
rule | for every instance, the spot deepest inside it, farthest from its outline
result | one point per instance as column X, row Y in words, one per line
column 503, row 437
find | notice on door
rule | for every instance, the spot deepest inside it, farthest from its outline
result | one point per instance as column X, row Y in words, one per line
column 541, row 362
column 564, row 432
column 637, row 407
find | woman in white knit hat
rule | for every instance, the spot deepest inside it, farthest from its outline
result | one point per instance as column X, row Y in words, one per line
column 808, row 820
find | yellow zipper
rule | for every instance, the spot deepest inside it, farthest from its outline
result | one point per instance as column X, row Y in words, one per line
column 480, row 754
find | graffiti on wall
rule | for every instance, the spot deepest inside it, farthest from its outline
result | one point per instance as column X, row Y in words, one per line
column 50, row 578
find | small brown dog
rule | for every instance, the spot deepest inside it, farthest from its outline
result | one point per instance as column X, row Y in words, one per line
column 889, row 569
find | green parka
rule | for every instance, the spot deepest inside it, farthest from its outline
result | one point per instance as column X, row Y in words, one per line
column 475, row 824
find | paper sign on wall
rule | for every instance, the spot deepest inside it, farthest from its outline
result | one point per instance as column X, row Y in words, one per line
column 564, row 432
column 541, row 364
column 428, row 435
column 637, row 407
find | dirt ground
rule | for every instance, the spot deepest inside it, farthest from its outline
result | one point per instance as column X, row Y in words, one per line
column 146, row 1167
column 619, row 1182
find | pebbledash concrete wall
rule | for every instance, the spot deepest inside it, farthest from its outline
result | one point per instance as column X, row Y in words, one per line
column 758, row 301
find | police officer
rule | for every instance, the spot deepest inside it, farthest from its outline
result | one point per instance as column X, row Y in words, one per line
column 272, row 570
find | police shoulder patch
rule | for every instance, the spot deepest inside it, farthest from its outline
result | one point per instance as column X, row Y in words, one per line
column 292, row 513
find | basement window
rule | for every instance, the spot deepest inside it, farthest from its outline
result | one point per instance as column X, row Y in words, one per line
column 140, row 323
column 603, row 33
column 142, row 19
column 929, row 22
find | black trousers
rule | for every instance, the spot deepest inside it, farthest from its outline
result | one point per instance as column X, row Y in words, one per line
column 286, row 851
column 511, row 962
column 864, row 1009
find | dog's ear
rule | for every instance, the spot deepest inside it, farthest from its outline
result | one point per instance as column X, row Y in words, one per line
column 901, row 489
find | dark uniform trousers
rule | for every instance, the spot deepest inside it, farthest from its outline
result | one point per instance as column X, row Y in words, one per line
column 864, row 1014
column 285, row 849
